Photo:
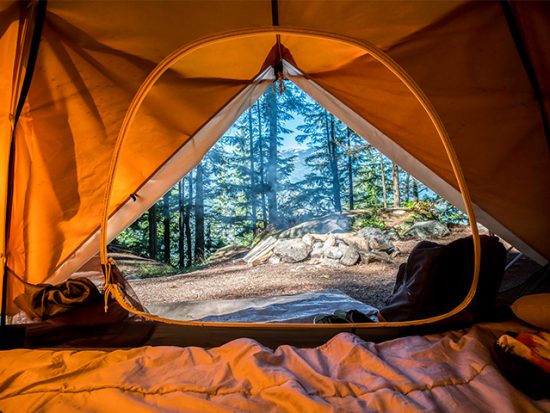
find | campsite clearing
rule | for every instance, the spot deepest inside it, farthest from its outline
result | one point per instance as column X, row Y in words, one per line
column 370, row 283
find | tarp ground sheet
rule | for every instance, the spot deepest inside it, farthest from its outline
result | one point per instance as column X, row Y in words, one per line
column 446, row 372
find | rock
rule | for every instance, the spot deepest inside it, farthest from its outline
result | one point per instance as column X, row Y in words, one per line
column 309, row 239
column 274, row 259
column 373, row 256
column 330, row 241
column 291, row 250
column 398, row 212
column 378, row 241
column 392, row 234
column 361, row 244
column 334, row 253
column 316, row 250
column 427, row 229
column 329, row 224
column 350, row 255
column 329, row 261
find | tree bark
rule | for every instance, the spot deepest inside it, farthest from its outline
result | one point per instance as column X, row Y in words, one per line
column 415, row 190
column 383, row 177
column 350, row 170
column 181, row 223
column 272, row 160
column 262, row 168
column 333, row 161
column 187, row 221
column 396, row 191
column 252, row 191
column 199, row 213
column 166, row 226
column 153, row 232
column 407, row 187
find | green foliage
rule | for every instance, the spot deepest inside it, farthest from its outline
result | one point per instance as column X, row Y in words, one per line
column 236, row 186
column 371, row 222
column 421, row 211
column 370, row 217
column 150, row 271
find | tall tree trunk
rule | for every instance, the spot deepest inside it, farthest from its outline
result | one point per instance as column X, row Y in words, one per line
column 407, row 187
column 252, row 191
column 262, row 169
column 187, row 220
column 166, row 225
column 199, row 213
column 415, row 190
column 333, row 161
column 272, row 159
column 208, row 244
column 350, row 169
column 383, row 177
column 396, row 191
column 153, row 231
column 181, row 223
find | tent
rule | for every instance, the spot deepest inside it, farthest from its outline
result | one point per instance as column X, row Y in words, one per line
column 105, row 105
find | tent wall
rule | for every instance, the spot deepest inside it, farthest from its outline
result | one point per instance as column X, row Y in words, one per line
column 93, row 59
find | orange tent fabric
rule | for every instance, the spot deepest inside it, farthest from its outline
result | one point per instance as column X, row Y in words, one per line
column 93, row 57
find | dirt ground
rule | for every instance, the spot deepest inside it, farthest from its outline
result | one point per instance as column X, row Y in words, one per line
column 369, row 283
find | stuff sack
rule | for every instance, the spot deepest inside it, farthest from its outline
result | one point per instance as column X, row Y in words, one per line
column 436, row 278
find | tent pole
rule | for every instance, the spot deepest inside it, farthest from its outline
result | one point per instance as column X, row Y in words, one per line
column 275, row 12
column 110, row 286
column 39, row 17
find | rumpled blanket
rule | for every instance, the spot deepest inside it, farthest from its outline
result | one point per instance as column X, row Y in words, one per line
column 452, row 372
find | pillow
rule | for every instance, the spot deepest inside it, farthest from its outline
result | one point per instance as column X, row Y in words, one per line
column 533, row 309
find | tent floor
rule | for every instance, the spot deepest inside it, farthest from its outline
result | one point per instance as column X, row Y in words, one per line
column 146, row 333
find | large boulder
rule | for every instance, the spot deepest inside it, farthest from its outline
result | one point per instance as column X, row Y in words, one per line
column 291, row 250
column 427, row 229
column 377, row 240
column 329, row 224
column 350, row 255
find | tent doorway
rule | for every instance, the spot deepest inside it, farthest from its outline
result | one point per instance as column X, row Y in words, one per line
column 222, row 222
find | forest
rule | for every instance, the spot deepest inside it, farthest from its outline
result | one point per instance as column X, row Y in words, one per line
column 286, row 160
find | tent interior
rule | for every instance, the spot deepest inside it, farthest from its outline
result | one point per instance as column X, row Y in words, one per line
column 104, row 106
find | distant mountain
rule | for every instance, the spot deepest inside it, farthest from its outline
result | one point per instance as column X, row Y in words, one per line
column 300, row 167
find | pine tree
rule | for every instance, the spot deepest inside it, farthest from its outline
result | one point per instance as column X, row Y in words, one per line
column 181, row 223
column 252, row 190
column 396, row 190
column 350, row 170
column 272, row 158
column 262, row 189
column 166, row 226
column 152, row 217
column 322, row 186
column 187, row 220
column 332, row 149
column 199, row 214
